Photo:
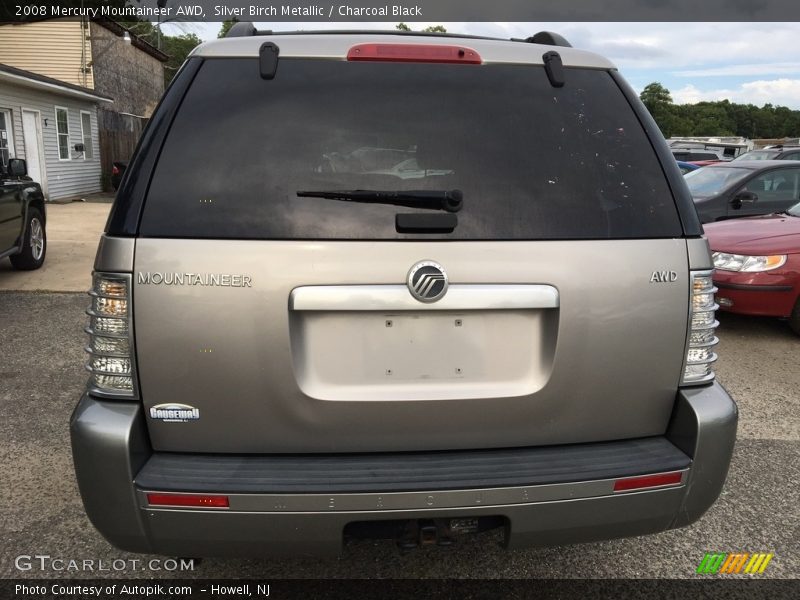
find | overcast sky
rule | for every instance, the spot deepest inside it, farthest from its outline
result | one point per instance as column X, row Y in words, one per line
column 744, row 62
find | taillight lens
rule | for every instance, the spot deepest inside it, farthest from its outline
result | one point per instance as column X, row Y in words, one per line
column 701, row 340
column 424, row 53
column 111, row 360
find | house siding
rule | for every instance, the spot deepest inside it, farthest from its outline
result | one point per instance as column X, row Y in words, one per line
column 67, row 178
column 55, row 48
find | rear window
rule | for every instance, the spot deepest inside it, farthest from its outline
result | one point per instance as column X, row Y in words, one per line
column 532, row 161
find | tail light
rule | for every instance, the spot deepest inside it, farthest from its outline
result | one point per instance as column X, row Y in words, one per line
column 115, row 170
column 701, row 340
column 112, row 363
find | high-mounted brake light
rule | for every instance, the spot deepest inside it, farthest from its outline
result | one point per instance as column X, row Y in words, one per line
column 110, row 349
column 647, row 481
column 196, row 500
column 423, row 53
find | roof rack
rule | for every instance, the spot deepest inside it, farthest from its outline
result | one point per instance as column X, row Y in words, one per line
column 246, row 29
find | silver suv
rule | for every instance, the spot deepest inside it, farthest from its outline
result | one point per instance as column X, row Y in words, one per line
column 398, row 285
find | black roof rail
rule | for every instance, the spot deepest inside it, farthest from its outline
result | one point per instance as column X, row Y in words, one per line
column 546, row 38
column 242, row 29
column 245, row 29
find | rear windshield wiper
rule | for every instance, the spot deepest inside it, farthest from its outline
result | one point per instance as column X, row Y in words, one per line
column 447, row 200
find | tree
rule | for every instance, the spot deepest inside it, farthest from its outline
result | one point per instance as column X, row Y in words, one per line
column 721, row 118
column 226, row 27
column 429, row 29
column 177, row 48
column 655, row 96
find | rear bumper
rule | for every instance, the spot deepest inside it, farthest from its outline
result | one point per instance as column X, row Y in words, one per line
column 270, row 514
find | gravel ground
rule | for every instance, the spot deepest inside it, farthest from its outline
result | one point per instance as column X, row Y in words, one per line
column 41, row 378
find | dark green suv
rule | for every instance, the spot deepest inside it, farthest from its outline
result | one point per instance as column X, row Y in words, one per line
column 22, row 220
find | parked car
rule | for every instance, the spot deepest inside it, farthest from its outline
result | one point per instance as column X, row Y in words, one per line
column 686, row 167
column 283, row 355
column 704, row 163
column 686, row 155
column 117, row 171
column 744, row 188
column 22, row 217
column 772, row 153
column 757, row 265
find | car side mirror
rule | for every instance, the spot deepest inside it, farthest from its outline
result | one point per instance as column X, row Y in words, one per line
column 17, row 167
column 743, row 197
column 79, row 148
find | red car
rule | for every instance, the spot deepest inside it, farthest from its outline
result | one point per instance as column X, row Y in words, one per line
column 757, row 265
column 704, row 163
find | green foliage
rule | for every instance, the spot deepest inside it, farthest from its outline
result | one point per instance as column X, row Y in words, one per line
column 429, row 29
column 177, row 47
column 226, row 27
column 721, row 118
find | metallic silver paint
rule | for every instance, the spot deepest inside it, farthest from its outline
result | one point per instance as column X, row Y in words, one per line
column 613, row 328
column 424, row 500
column 115, row 254
column 699, row 254
column 704, row 427
column 110, row 445
column 225, row 533
column 335, row 47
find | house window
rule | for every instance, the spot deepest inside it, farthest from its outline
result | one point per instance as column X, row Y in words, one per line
column 86, row 134
column 62, row 126
column 6, row 137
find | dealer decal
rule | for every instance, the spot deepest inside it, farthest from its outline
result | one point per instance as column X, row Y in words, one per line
column 174, row 413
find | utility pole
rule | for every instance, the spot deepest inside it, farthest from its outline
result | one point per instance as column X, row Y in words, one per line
column 161, row 4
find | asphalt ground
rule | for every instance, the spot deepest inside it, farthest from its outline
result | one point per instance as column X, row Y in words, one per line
column 41, row 379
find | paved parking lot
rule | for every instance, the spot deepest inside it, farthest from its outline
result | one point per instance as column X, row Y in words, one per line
column 72, row 233
column 41, row 378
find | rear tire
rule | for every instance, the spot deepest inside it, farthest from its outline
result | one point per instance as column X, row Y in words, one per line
column 34, row 243
column 794, row 318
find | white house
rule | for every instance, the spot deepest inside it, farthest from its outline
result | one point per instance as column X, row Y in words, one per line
column 53, row 126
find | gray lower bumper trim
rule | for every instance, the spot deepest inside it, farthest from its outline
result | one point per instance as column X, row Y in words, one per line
column 110, row 447
column 409, row 471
